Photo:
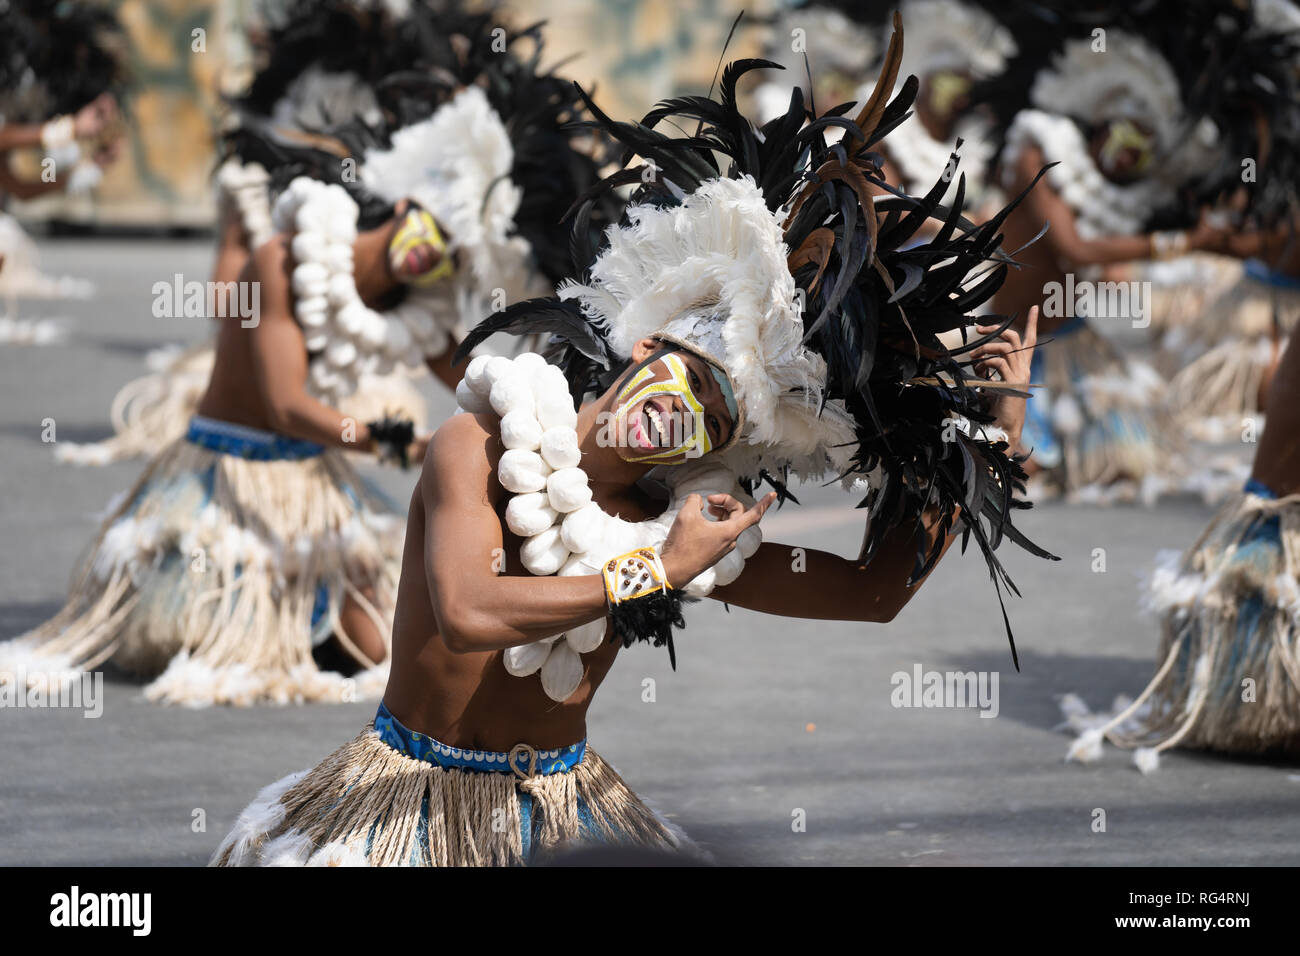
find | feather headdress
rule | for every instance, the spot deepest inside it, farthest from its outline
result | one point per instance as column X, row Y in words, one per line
column 1215, row 81
column 763, row 250
column 57, row 57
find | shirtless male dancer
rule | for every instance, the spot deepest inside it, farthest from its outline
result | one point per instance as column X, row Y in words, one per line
column 685, row 340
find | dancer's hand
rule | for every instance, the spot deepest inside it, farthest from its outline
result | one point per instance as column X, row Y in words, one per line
column 89, row 121
column 1010, row 357
column 108, row 153
column 695, row 543
column 1210, row 234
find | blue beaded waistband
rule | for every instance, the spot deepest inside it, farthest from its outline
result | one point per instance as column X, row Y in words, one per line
column 522, row 760
column 1258, row 489
column 1260, row 272
column 251, row 443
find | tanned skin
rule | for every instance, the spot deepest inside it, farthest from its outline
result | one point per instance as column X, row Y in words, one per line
column 458, row 608
column 1062, row 249
column 1277, row 463
column 89, row 122
column 271, row 357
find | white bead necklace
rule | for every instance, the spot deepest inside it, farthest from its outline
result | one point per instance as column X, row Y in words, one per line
column 350, row 339
column 565, row 532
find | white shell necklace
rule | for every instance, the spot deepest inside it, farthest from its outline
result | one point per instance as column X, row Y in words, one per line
column 350, row 339
column 1101, row 207
column 565, row 532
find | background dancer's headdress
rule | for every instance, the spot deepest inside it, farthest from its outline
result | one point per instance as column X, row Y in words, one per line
column 457, row 113
column 57, row 57
column 775, row 266
column 1213, row 83
column 476, row 134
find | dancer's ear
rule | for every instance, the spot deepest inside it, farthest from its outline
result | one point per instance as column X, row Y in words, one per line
column 644, row 348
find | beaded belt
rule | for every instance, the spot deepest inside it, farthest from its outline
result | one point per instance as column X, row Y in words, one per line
column 1259, row 489
column 251, row 443
column 522, row 760
column 1260, row 272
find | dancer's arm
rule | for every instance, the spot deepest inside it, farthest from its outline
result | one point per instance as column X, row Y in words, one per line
column 88, row 122
column 1072, row 250
column 24, row 189
column 480, row 609
column 280, row 364
column 780, row 579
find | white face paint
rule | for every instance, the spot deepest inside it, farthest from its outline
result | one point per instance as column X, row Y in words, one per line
column 662, row 419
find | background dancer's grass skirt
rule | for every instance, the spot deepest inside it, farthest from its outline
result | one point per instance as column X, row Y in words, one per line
column 1222, row 358
column 155, row 409
column 213, row 574
column 1101, row 428
column 1228, row 668
column 367, row 804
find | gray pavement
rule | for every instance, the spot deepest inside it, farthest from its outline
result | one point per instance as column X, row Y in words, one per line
column 764, row 717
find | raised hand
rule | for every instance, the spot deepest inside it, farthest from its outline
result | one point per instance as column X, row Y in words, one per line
column 1010, row 357
column 695, row 543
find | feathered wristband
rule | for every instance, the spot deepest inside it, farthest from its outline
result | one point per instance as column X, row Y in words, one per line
column 392, row 438
column 642, row 604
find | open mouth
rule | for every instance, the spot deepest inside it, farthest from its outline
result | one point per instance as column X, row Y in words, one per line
column 419, row 260
column 652, row 429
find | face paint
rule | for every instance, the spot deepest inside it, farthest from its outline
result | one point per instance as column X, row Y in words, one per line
column 641, row 386
column 947, row 90
column 416, row 237
column 1123, row 135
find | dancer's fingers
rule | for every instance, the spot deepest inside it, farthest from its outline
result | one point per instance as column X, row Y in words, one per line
column 1031, row 328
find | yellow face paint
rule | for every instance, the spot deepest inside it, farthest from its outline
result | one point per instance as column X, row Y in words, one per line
column 946, row 90
column 417, row 229
column 678, row 384
column 1122, row 135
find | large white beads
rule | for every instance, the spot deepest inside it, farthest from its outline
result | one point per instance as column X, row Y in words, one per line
column 562, row 672
column 522, row 471
column 525, row 659
column 544, row 553
column 519, row 429
column 587, row 637
column 568, row 489
column 582, row 529
column 529, row 514
column 559, row 446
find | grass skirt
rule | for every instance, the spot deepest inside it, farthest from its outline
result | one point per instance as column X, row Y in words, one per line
column 1221, row 359
column 1228, row 674
column 209, row 573
column 155, row 409
column 369, row 805
column 1102, row 431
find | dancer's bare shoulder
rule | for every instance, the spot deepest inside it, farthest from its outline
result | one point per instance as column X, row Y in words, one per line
column 461, row 462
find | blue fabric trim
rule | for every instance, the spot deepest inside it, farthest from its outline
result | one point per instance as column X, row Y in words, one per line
column 423, row 747
column 1258, row 271
column 250, row 443
column 1258, row 489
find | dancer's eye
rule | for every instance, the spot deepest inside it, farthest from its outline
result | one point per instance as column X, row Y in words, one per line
column 717, row 428
column 695, row 380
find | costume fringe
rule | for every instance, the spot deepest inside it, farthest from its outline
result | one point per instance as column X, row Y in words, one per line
column 1220, row 359
column 368, row 805
column 154, row 410
column 21, row 276
column 1119, row 441
column 207, row 574
column 1230, row 611
column 1183, row 289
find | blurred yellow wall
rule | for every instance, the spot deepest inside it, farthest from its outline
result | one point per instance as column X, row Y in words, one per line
column 634, row 52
